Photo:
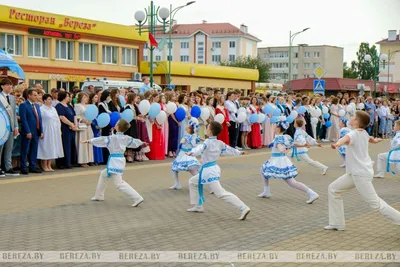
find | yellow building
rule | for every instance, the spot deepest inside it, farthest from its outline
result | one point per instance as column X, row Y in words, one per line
column 390, row 71
column 192, row 77
column 62, row 51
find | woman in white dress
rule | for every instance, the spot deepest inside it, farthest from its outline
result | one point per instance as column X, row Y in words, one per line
column 210, row 105
column 85, row 151
column 50, row 147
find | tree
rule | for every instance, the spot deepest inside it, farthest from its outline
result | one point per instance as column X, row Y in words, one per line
column 350, row 72
column 251, row 63
column 365, row 69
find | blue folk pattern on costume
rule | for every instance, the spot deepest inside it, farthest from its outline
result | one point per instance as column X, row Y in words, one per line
column 389, row 161
column 270, row 171
column 114, row 170
column 184, row 165
column 342, row 149
column 200, row 184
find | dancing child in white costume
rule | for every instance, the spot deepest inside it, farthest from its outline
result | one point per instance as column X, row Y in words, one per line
column 359, row 174
column 117, row 145
column 210, row 172
column 343, row 131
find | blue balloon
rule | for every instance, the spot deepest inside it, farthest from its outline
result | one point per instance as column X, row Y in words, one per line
column 180, row 114
column 302, row 110
column 103, row 120
column 122, row 100
column 265, row 120
column 277, row 112
column 114, row 118
column 326, row 116
column 328, row 124
column 91, row 112
column 290, row 119
column 274, row 119
column 254, row 118
column 195, row 112
column 127, row 115
column 268, row 109
column 155, row 109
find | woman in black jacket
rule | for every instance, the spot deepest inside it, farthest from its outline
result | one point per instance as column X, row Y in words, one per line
column 104, row 108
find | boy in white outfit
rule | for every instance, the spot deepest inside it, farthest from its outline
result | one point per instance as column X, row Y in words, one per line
column 301, row 138
column 117, row 145
column 384, row 160
column 210, row 172
column 359, row 174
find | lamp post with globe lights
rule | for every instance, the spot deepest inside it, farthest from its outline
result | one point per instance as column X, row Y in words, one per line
column 291, row 39
column 375, row 60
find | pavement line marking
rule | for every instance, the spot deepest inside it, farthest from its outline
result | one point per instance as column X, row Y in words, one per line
column 82, row 173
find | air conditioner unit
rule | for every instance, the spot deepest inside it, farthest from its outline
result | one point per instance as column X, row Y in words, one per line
column 136, row 76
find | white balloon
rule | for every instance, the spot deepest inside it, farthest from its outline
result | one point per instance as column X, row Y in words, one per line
column 161, row 117
column 353, row 105
column 342, row 112
column 144, row 107
column 314, row 121
column 294, row 114
column 282, row 118
column 196, row 121
column 325, row 110
column 171, row 108
column 219, row 118
column 361, row 106
column 318, row 112
column 349, row 109
column 261, row 117
column 242, row 109
column 242, row 117
column 205, row 113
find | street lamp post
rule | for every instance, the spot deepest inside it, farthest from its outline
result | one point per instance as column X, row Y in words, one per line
column 152, row 15
column 291, row 39
column 375, row 60
column 172, row 13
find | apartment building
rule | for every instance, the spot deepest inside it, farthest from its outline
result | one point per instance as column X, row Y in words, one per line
column 305, row 59
column 391, row 47
column 205, row 43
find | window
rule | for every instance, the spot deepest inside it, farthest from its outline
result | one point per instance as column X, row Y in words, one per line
column 296, row 55
column 110, row 54
column 184, row 45
column 87, row 52
column 68, row 86
column 170, row 58
column 306, row 66
column 315, row 65
column 295, row 76
column 184, row 58
column 170, row 45
column 216, row 44
column 64, row 50
column 11, row 43
column 200, row 43
column 232, row 44
column 145, row 58
column 307, row 54
column 216, row 58
column 279, row 54
column 306, row 75
column 295, row 65
column 200, row 62
column 158, row 58
column 279, row 65
column 38, row 47
column 44, row 83
column 146, row 45
column 316, row 54
column 232, row 57
column 129, row 56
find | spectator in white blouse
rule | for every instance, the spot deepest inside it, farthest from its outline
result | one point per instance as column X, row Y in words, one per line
column 383, row 114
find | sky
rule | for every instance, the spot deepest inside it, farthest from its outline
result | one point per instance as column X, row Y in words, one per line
column 344, row 23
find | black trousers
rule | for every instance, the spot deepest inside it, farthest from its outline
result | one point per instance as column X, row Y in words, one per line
column 233, row 133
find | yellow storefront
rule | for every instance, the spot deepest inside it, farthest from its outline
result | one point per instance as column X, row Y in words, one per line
column 191, row 77
column 62, row 51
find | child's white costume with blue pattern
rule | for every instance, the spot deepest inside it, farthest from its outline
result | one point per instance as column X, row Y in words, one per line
column 343, row 132
column 385, row 160
column 279, row 165
column 184, row 162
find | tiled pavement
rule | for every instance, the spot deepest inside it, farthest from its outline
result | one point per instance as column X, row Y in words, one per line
column 53, row 212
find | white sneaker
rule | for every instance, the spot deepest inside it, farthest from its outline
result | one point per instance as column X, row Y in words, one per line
column 196, row 209
column 238, row 148
column 312, row 198
column 96, row 199
column 145, row 158
column 325, row 170
column 265, row 195
column 378, row 176
column 243, row 214
column 325, row 140
column 343, row 165
column 175, row 187
column 137, row 202
column 337, row 228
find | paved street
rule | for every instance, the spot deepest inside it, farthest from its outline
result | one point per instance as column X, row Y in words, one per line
column 54, row 212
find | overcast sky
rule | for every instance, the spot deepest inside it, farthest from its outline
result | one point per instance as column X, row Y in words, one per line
column 344, row 23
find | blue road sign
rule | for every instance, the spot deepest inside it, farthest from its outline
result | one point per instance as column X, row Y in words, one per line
column 319, row 86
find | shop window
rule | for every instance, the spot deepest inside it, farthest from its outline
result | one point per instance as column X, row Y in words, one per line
column 129, row 56
column 87, row 52
column 68, row 86
column 64, row 50
column 44, row 83
column 110, row 54
column 38, row 47
column 11, row 43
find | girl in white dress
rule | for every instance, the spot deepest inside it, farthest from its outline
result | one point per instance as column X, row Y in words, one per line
column 280, row 166
column 184, row 162
column 343, row 131
column 50, row 147
column 245, row 127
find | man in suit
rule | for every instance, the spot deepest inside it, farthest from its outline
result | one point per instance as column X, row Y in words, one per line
column 31, row 131
column 8, row 103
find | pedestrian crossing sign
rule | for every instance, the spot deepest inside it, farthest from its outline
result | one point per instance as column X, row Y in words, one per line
column 319, row 86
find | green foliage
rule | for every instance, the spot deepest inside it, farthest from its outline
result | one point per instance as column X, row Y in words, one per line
column 251, row 63
column 365, row 69
column 350, row 72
